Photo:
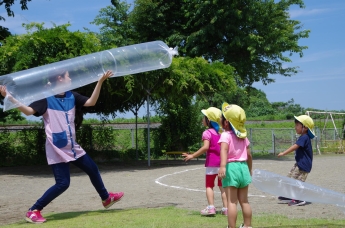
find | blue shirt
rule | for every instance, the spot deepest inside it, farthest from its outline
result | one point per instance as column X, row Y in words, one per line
column 304, row 153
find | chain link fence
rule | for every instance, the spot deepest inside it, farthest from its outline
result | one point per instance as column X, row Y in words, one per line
column 276, row 140
column 19, row 145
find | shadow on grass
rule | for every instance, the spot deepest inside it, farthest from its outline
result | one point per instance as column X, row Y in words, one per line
column 74, row 214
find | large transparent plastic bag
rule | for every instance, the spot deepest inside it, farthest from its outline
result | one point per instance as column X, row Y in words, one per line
column 29, row 85
column 278, row 185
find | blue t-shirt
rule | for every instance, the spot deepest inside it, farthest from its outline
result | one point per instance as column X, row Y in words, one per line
column 304, row 153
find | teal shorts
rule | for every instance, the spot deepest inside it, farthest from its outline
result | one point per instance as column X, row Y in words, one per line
column 236, row 175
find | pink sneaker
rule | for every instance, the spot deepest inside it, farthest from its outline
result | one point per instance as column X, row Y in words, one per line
column 113, row 198
column 208, row 211
column 34, row 217
column 224, row 211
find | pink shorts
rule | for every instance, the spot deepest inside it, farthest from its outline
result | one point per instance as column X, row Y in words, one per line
column 210, row 180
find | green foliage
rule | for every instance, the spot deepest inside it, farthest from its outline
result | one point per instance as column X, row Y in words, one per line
column 259, row 105
column 255, row 41
column 289, row 116
column 8, row 4
column 180, row 127
column 25, row 147
column 12, row 115
column 288, row 107
column 4, row 32
column 115, row 31
column 42, row 46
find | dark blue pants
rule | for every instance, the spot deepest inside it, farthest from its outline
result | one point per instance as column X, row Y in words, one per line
column 62, row 180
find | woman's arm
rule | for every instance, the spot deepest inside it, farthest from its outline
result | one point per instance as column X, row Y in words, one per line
column 94, row 97
column 23, row 108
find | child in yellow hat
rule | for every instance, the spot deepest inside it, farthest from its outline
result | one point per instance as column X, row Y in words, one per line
column 303, row 154
column 211, row 147
column 236, row 163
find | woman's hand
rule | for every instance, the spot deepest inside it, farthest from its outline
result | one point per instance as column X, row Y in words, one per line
column 106, row 75
column 3, row 90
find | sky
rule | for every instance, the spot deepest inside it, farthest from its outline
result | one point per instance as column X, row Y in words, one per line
column 321, row 78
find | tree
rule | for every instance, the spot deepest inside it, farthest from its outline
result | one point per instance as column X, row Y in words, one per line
column 259, row 105
column 116, row 31
column 185, row 75
column 40, row 46
column 252, row 35
column 177, row 105
column 3, row 34
column 9, row 3
column 180, row 127
column 11, row 115
column 288, row 108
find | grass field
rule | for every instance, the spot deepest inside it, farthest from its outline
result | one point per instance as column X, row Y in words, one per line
column 168, row 217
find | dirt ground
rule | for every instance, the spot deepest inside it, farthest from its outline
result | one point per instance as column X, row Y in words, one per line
column 165, row 183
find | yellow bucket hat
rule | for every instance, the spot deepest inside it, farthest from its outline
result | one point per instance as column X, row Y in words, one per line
column 236, row 117
column 213, row 114
column 308, row 122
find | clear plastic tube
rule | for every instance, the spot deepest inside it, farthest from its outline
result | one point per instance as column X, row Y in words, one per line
column 28, row 86
column 294, row 189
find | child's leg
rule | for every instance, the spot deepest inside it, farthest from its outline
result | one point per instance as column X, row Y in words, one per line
column 223, row 195
column 231, row 195
column 209, row 188
column 246, row 209
column 86, row 164
column 210, row 196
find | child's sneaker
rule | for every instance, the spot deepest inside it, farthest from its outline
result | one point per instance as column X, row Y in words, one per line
column 113, row 198
column 34, row 217
column 242, row 226
column 224, row 211
column 297, row 203
column 208, row 211
column 284, row 199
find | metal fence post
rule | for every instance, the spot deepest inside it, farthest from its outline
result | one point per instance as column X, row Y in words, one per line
column 273, row 141
column 132, row 134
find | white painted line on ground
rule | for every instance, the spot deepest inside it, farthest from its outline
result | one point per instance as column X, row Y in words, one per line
column 157, row 181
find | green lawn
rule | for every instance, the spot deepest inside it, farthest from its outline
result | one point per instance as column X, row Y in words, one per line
column 169, row 217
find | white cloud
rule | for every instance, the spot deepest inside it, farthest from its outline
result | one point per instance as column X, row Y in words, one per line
column 14, row 23
column 318, row 56
column 312, row 78
column 305, row 12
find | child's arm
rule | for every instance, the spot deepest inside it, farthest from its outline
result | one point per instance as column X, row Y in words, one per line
column 201, row 151
column 23, row 108
column 224, row 147
column 249, row 160
column 291, row 149
column 94, row 97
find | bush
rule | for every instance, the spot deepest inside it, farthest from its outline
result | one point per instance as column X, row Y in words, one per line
column 289, row 116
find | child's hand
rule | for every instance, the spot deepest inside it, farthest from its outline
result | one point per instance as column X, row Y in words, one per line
column 187, row 157
column 106, row 75
column 280, row 154
column 221, row 172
